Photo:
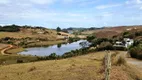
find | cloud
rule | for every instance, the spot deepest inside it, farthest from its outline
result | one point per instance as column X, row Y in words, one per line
column 4, row 1
column 107, row 6
column 43, row 1
column 134, row 3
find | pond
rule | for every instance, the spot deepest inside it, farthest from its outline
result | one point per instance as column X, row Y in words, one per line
column 58, row 49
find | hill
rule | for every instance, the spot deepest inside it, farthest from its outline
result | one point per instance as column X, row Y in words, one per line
column 27, row 36
column 109, row 32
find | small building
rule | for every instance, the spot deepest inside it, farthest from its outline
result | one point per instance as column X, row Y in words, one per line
column 70, row 31
column 128, row 42
column 119, row 44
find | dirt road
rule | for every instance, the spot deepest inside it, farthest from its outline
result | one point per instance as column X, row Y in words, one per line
column 135, row 62
column 7, row 48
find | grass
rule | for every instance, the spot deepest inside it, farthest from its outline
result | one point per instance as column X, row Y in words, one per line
column 85, row 67
column 81, row 67
column 29, row 33
column 15, row 50
column 3, row 45
column 12, row 59
column 121, row 61
column 133, row 72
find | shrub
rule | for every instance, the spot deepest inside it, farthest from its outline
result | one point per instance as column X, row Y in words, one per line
column 121, row 61
column 20, row 61
column 105, row 46
column 90, row 38
column 136, row 52
column 32, row 69
column 70, row 40
column 98, row 41
column 52, row 56
column 10, row 28
column 59, row 45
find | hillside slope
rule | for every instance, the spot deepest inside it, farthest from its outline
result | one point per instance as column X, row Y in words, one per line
column 32, row 33
column 109, row 32
column 86, row 67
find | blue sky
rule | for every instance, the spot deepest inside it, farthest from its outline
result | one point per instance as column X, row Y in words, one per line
column 71, row 13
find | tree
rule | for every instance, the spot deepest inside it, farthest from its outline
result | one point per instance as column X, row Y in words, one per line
column 53, row 56
column 84, row 44
column 59, row 45
column 91, row 37
column 58, row 29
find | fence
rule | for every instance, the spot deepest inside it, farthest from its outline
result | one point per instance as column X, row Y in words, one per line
column 107, row 65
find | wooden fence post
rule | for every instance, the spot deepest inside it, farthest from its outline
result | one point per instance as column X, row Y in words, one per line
column 107, row 65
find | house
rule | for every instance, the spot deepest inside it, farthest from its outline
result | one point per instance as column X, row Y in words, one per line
column 128, row 42
column 70, row 31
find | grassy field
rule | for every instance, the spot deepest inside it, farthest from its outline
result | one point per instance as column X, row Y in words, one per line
column 3, row 46
column 86, row 67
column 33, row 33
column 15, row 50
column 12, row 59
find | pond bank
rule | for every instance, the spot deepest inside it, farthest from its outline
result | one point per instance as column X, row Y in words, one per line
column 58, row 49
column 16, row 50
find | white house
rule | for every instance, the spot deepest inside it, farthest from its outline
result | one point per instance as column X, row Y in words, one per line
column 128, row 42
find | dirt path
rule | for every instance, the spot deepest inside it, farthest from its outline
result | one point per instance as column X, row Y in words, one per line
column 135, row 62
column 7, row 48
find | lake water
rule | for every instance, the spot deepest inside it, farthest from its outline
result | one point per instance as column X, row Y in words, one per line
column 45, row 51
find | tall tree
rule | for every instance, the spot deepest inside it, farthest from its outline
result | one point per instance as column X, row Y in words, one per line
column 58, row 29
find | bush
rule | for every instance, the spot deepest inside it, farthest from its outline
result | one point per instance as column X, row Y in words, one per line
column 20, row 61
column 59, row 45
column 136, row 52
column 105, row 46
column 98, row 41
column 10, row 28
column 121, row 61
column 90, row 38
column 52, row 56
column 70, row 40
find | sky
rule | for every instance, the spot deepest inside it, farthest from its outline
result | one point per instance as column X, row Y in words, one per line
column 71, row 13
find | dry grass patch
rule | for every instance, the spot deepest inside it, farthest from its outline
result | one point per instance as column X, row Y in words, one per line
column 85, row 67
column 15, row 50
column 81, row 67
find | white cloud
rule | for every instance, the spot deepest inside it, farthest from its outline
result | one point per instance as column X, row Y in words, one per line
column 139, row 1
column 43, row 1
column 107, row 6
column 67, row 1
column 134, row 3
column 4, row 1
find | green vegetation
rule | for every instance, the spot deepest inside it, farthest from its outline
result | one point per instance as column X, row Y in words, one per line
column 10, row 28
column 105, row 46
column 14, row 58
column 59, row 45
column 58, row 29
column 71, row 39
column 136, row 51
column 132, row 35
column 91, row 37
